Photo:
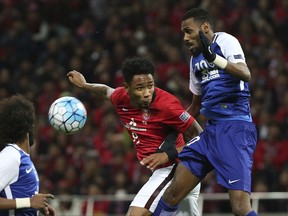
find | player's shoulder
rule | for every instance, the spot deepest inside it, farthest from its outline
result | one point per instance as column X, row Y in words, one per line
column 221, row 37
column 11, row 153
column 11, row 148
column 163, row 94
column 119, row 90
column 118, row 94
column 165, row 100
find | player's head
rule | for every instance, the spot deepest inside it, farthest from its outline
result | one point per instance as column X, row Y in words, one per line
column 193, row 21
column 17, row 119
column 139, row 80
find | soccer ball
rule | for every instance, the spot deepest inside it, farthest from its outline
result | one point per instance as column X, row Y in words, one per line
column 67, row 114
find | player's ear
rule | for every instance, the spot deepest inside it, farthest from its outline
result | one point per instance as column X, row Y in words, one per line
column 205, row 27
column 126, row 86
column 31, row 138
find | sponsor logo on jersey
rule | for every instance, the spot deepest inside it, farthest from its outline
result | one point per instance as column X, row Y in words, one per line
column 132, row 125
column 185, row 116
column 210, row 75
column 29, row 170
column 233, row 181
column 134, row 128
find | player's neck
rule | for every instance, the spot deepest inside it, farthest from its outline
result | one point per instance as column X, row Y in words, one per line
column 134, row 104
column 25, row 145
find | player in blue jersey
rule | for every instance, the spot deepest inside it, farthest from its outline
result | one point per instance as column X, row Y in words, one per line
column 219, row 82
column 19, row 182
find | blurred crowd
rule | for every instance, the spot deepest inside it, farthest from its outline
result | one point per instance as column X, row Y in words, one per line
column 42, row 40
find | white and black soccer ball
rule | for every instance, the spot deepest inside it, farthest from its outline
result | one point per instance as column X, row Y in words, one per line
column 67, row 114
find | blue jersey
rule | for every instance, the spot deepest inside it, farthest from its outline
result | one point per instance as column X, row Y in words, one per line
column 229, row 139
column 224, row 96
column 19, row 178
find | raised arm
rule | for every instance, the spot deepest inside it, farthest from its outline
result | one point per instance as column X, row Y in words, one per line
column 239, row 70
column 100, row 90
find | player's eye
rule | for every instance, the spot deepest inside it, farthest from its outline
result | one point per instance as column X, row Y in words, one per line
column 187, row 31
column 151, row 86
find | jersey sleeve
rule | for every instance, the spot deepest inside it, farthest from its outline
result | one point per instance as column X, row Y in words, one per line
column 176, row 116
column 231, row 48
column 9, row 166
column 116, row 95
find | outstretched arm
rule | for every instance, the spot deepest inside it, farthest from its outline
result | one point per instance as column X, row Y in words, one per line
column 100, row 90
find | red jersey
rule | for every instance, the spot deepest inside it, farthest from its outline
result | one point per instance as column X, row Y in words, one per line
column 148, row 127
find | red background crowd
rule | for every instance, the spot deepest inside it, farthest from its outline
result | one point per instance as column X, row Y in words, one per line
column 42, row 40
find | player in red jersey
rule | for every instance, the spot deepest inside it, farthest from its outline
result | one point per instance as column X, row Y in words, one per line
column 150, row 115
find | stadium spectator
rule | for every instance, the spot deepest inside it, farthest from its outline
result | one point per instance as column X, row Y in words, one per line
column 133, row 24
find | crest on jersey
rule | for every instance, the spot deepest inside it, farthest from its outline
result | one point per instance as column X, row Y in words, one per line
column 145, row 114
column 239, row 56
column 185, row 116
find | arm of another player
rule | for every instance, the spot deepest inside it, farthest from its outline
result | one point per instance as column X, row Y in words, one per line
column 154, row 160
column 38, row 201
column 194, row 130
column 79, row 80
column 194, row 108
column 48, row 211
column 167, row 151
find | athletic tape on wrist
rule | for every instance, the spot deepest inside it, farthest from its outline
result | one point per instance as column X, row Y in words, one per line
column 172, row 153
column 220, row 62
column 23, row 203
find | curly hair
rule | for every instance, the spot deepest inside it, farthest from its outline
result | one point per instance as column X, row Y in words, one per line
column 199, row 15
column 17, row 118
column 135, row 66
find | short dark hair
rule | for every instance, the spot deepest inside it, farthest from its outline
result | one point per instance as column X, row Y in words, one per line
column 136, row 66
column 199, row 15
column 17, row 118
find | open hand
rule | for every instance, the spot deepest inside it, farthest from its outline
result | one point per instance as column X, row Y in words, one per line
column 208, row 54
column 48, row 211
column 155, row 160
column 39, row 201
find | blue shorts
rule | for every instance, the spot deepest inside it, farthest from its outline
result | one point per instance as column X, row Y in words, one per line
column 227, row 147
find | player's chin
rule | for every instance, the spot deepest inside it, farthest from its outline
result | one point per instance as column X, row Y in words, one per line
column 194, row 51
column 145, row 104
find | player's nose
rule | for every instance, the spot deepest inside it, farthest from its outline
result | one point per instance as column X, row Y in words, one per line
column 147, row 92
